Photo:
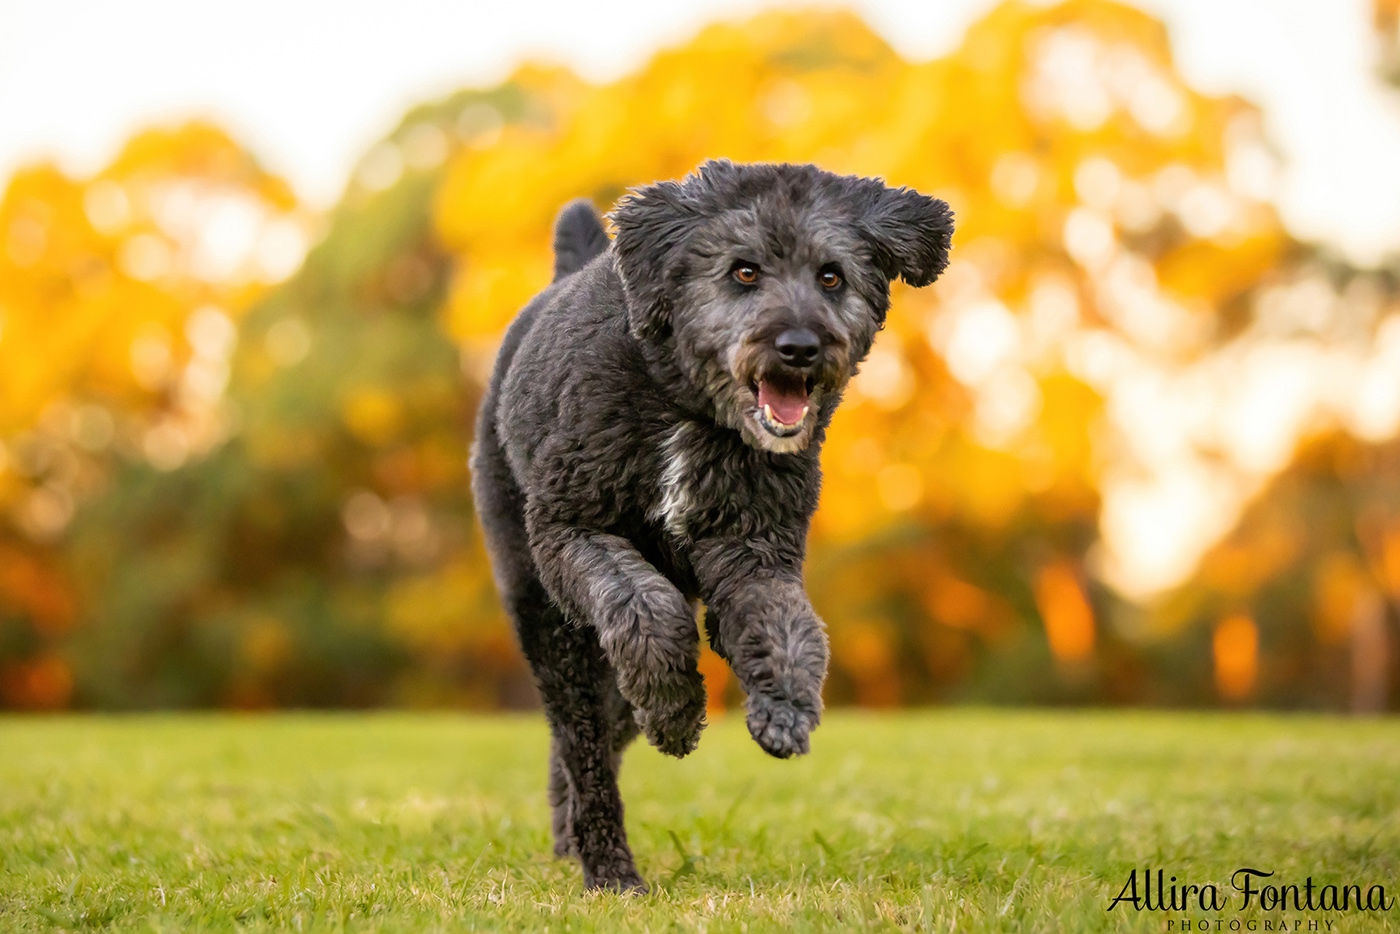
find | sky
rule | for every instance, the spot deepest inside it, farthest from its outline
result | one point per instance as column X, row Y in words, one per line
column 309, row 85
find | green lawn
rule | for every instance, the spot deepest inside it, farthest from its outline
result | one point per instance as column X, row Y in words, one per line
column 955, row 819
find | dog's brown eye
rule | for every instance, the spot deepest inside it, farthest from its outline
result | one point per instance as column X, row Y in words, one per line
column 829, row 279
column 746, row 274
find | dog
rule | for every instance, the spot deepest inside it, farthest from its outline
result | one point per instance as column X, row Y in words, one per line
column 649, row 441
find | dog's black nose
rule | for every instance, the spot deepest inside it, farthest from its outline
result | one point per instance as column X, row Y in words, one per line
column 798, row 347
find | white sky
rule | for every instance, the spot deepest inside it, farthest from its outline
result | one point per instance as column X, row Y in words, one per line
column 310, row 84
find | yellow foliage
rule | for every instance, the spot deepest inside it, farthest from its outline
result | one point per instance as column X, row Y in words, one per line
column 426, row 612
column 1075, row 159
column 994, row 128
column 266, row 645
column 372, row 414
column 1090, row 185
column 100, row 278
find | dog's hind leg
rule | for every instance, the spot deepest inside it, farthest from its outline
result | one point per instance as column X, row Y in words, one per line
column 577, row 684
column 589, row 726
column 563, row 801
column 588, row 720
column 563, row 798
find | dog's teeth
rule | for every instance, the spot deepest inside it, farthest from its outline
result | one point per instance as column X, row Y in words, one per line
column 775, row 420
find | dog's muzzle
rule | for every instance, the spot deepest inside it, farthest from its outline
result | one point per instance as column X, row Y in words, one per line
column 783, row 391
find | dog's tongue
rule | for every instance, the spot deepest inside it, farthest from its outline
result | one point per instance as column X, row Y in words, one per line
column 788, row 401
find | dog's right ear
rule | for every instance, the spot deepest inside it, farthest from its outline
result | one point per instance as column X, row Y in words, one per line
column 652, row 222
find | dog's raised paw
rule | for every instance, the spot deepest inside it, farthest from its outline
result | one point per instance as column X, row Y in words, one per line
column 673, row 721
column 676, row 733
column 779, row 727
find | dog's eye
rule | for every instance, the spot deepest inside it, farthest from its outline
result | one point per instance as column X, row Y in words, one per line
column 829, row 279
column 746, row 274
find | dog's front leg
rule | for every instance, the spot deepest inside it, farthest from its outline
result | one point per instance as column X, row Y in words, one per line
column 646, row 628
column 763, row 623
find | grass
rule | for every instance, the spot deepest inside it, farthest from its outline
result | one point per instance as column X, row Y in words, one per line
column 968, row 820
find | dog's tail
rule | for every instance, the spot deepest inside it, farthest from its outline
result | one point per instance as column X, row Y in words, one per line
column 578, row 237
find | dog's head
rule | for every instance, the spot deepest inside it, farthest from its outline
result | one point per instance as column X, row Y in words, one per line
column 769, row 283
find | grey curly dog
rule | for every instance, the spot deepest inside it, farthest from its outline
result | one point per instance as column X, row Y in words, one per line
column 649, row 440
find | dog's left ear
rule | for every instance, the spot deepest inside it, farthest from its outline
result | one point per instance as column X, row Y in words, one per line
column 652, row 222
column 911, row 234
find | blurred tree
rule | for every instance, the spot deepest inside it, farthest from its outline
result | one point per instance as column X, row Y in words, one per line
column 101, row 278
column 1316, row 561
column 1115, row 372
column 327, row 554
column 118, row 301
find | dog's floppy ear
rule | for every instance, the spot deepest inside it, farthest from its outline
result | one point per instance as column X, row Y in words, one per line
column 911, row 234
column 652, row 222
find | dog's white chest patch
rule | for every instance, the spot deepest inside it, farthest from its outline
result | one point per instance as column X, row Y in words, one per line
column 675, row 486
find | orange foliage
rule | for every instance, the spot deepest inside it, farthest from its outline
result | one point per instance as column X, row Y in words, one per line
column 32, row 587
column 1387, row 23
column 1340, row 583
column 1069, row 621
column 954, row 602
column 1236, row 650
column 864, row 648
column 717, row 675
column 43, row 683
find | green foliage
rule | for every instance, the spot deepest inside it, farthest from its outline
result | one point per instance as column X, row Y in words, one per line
column 298, row 563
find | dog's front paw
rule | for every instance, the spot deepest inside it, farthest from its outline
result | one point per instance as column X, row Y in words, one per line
column 779, row 727
column 674, row 715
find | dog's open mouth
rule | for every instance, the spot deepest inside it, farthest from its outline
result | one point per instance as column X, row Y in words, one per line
column 782, row 403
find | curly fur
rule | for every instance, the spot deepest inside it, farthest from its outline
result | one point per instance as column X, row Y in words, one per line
column 624, row 471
